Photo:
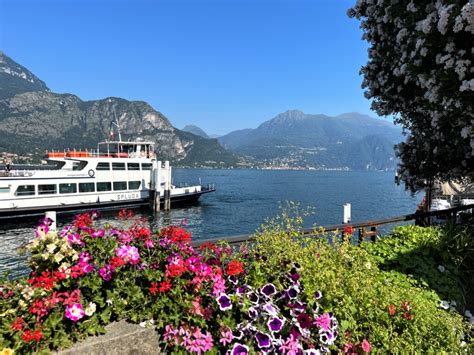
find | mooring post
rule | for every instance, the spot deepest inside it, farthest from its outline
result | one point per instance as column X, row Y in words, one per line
column 347, row 213
column 157, row 194
column 52, row 216
column 167, row 195
column 346, row 218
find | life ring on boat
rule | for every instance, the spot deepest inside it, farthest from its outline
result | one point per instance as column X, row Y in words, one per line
column 91, row 173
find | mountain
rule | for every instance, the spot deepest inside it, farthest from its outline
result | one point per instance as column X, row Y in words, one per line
column 195, row 130
column 33, row 119
column 293, row 138
column 16, row 79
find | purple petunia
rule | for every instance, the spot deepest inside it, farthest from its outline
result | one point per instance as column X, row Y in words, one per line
column 270, row 309
column 326, row 337
column 239, row 349
column 253, row 297
column 292, row 292
column 233, row 280
column 237, row 334
column 268, row 290
column 263, row 340
column 275, row 324
column 106, row 272
column 252, row 313
column 224, row 302
column 318, row 295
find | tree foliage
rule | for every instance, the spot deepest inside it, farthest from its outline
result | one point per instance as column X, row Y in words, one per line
column 420, row 70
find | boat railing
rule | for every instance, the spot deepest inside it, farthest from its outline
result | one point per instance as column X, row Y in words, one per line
column 97, row 154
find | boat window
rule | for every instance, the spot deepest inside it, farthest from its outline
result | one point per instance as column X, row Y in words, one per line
column 67, row 188
column 4, row 189
column 86, row 187
column 79, row 165
column 47, row 189
column 118, row 166
column 146, row 166
column 103, row 166
column 25, row 190
column 133, row 166
column 120, row 185
column 133, row 185
column 104, row 186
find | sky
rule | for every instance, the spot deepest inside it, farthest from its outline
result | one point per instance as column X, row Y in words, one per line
column 222, row 65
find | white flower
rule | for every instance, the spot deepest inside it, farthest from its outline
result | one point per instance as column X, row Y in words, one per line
column 441, row 268
column 444, row 305
column 90, row 309
column 468, row 313
column 58, row 257
column 109, row 302
column 51, row 248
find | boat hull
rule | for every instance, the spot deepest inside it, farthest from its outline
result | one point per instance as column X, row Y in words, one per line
column 177, row 200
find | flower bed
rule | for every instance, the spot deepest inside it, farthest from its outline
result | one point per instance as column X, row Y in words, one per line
column 87, row 275
column 282, row 295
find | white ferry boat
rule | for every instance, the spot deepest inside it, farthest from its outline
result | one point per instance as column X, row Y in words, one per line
column 119, row 174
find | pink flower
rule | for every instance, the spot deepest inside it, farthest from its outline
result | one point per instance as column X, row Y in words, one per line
column 86, row 268
column 226, row 336
column 366, row 346
column 171, row 335
column 192, row 262
column 84, row 258
column 75, row 239
column 324, row 321
column 128, row 253
column 219, row 285
column 149, row 243
column 98, row 234
column 106, row 272
column 75, row 312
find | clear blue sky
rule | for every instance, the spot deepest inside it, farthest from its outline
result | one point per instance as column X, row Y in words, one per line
column 219, row 64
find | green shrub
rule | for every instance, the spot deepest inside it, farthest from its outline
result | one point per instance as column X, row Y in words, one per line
column 392, row 310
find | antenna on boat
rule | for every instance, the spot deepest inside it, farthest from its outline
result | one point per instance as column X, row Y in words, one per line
column 116, row 124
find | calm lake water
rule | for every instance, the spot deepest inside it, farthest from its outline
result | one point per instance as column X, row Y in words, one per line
column 245, row 198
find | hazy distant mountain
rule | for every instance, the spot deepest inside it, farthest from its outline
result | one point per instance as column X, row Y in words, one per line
column 350, row 140
column 33, row 119
column 195, row 130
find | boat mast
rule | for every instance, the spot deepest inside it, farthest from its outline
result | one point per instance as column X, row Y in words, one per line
column 116, row 124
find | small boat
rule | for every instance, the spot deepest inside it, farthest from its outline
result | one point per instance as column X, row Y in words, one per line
column 118, row 174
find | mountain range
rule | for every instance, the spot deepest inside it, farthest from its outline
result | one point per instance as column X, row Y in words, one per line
column 34, row 119
column 293, row 138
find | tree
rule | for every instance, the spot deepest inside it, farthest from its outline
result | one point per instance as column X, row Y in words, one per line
column 421, row 71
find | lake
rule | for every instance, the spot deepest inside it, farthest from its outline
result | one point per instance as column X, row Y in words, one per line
column 245, row 198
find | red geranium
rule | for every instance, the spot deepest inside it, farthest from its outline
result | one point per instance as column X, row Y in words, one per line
column 17, row 325
column 348, row 230
column 153, row 288
column 83, row 221
column 28, row 335
column 117, row 262
column 165, row 285
column 391, row 310
column 235, row 267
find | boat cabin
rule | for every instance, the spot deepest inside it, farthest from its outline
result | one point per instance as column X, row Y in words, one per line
column 126, row 149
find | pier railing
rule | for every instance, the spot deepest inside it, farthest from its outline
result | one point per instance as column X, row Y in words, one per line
column 365, row 229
